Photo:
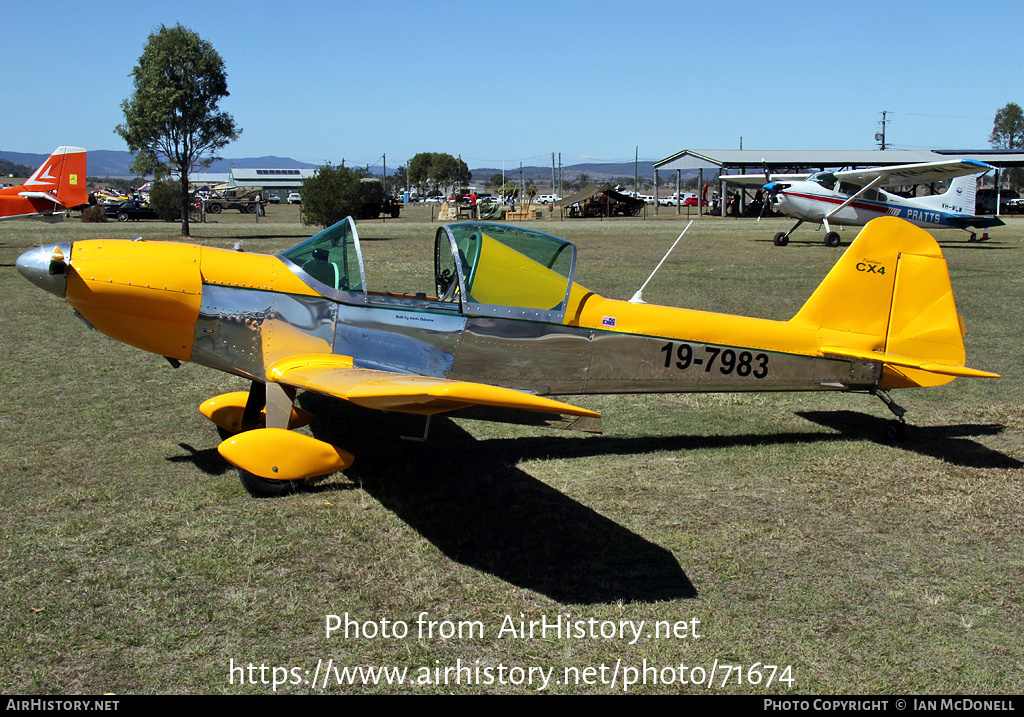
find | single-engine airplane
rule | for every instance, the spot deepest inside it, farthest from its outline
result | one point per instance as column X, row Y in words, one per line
column 505, row 327
column 853, row 197
column 58, row 185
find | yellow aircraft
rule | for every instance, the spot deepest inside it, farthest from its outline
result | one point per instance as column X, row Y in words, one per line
column 506, row 327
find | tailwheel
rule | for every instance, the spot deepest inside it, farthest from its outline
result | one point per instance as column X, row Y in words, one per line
column 781, row 239
column 259, row 487
column 895, row 430
column 833, row 239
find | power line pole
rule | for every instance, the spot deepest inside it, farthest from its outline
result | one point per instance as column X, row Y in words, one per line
column 880, row 136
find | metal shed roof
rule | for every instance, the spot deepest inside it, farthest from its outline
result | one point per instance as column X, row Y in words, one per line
column 744, row 159
column 270, row 177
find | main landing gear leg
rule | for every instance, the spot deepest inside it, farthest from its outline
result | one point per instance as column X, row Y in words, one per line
column 278, row 402
column 782, row 238
column 254, row 405
column 894, row 430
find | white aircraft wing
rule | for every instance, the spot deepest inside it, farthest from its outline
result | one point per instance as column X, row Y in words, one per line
column 923, row 173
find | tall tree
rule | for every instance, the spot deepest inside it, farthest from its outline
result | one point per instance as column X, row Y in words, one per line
column 1008, row 128
column 1008, row 133
column 172, row 121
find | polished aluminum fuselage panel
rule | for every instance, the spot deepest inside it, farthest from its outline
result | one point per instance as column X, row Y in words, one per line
column 393, row 338
column 243, row 331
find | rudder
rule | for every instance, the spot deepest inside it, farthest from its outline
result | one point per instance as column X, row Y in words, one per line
column 71, row 186
column 890, row 294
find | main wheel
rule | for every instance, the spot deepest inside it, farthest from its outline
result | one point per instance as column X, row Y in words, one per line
column 250, row 209
column 214, row 209
column 122, row 216
column 260, row 487
column 833, row 239
column 781, row 239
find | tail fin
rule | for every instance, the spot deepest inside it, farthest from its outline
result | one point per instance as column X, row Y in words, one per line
column 60, row 179
column 958, row 199
column 889, row 299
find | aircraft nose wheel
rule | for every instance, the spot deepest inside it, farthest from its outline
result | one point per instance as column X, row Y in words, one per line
column 781, row 239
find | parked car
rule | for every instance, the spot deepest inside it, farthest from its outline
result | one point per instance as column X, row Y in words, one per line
column 547, row 198
column 133, row 210
column 294, row 198
column 985, row 201
column 1014, row 206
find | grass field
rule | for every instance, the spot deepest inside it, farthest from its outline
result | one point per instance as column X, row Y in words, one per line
column 758, row 530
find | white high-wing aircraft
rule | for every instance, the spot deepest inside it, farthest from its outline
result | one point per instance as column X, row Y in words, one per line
column 853, row 197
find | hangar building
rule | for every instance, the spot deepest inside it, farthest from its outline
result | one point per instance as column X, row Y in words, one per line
column 712, row 162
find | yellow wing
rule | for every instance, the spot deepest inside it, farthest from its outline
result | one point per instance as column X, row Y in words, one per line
column 336, row 376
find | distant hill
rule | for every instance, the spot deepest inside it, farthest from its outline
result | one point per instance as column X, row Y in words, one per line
column 113, row 163
column 13, row 169
column 597, row 171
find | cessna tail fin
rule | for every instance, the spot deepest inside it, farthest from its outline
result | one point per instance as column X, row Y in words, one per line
column 889, row 299
column 958, row 199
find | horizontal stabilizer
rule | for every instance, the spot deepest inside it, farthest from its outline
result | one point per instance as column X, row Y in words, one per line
column 336, row 376
column 39, row 195
column 976, row 222
column 907, row 362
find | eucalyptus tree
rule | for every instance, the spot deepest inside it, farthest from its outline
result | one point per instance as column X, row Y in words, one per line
column 172, row 120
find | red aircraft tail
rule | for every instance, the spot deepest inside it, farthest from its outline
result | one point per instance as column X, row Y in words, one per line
column 60, row 179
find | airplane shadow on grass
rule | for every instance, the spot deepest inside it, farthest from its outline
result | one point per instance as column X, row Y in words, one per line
column 951, row 444
column 469, row 498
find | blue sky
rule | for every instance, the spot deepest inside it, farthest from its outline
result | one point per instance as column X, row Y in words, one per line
column 515, row 82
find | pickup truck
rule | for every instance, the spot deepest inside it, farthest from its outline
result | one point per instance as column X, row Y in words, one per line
column 246, row 204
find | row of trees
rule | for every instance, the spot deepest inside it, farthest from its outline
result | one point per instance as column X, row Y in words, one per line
column 429, row 171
